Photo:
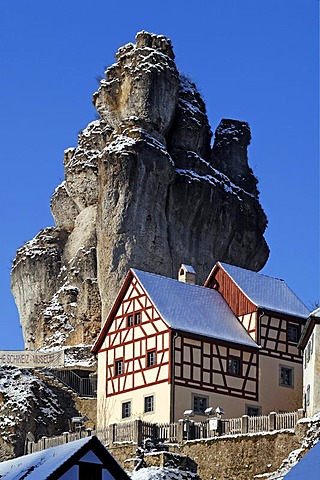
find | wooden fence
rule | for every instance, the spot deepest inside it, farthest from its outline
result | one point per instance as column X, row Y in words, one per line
column 137, row 431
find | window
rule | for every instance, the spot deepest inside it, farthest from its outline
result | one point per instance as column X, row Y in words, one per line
column 129, row 320
column 234, row 365
column 118, row 367
column 253, row 411
column 89, row 471
column 293, row 333
column 286, row 376
column 126, row 410
column 137, row 318
column 149, row 404
column 308, row 351
column 308, row 396
column 151, row 358
column 200, row 404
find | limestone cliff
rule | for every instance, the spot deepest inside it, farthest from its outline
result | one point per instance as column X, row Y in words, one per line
column 143, row 188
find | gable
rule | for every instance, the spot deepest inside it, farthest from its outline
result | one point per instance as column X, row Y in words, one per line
column 56, row 462
column 135, row 350
column 237, row 300
column 263, row 291
column 133, row 302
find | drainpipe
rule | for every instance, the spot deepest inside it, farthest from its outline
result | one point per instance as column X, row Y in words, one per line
column 172, row 391
column 259, row 327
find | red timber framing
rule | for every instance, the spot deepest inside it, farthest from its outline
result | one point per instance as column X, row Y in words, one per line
column 274, row 336
column 204, row 364
column 130, row 341
column 239, row 303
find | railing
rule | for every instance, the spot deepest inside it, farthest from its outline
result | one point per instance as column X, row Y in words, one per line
column 137, row 431
column 259, row 424
column 83, row 386
column 231, row 426
column 285, row 420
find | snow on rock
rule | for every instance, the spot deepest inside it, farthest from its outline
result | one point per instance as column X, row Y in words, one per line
column 310, row 439
column 162, row 473
column 137, row 181
column 26, row 404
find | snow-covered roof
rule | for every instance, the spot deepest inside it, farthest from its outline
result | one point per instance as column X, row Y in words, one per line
column 315, row 313
column 308, row 467
column 267, row 292
column 41, row 465
column 188, row 268
column 314, row 319
column 193, row 309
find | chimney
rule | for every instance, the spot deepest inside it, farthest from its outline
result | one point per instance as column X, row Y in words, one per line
column 187, row 274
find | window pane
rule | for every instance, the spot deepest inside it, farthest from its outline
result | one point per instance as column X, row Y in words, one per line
column 286, row 376
column 234, row 366
column 151, row 358
column 253, row 411
column 126, row 409
column 293, row 333
column 149, row 404
column 119, row 367
column 137, row 318
column 200, row 404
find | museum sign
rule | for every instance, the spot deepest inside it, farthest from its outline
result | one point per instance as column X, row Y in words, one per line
column 29, row 359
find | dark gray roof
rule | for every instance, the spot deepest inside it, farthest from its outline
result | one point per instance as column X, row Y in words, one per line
column 267, row 292
column 193, row 309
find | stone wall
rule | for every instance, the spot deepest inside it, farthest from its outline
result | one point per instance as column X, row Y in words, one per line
column 229, row 458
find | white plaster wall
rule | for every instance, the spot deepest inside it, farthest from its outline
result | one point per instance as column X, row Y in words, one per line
column 274, row 397
column 311, row 374
column 112, row 406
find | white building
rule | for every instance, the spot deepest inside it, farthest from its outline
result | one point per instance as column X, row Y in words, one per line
column 310, row 344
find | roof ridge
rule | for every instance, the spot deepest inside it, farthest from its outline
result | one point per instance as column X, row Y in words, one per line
column 170, row 278
column 253, row 271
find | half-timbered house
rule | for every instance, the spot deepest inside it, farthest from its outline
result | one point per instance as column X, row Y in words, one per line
column 169, row 345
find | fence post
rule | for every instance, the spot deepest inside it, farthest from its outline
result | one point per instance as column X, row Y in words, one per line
column 301, row 413
column 112, row 434
column 180, row 430
column 155, row 434
column 137, row 432
column 44, row 442
column 65, row 437
column 244, row 424
column 272, row 421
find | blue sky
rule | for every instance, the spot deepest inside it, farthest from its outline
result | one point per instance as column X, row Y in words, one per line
column 255, row 61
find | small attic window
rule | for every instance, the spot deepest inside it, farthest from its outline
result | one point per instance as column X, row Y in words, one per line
column 187, row 274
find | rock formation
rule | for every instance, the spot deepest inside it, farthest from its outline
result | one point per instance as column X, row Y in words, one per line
column 27, row 404
column 144, row 189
